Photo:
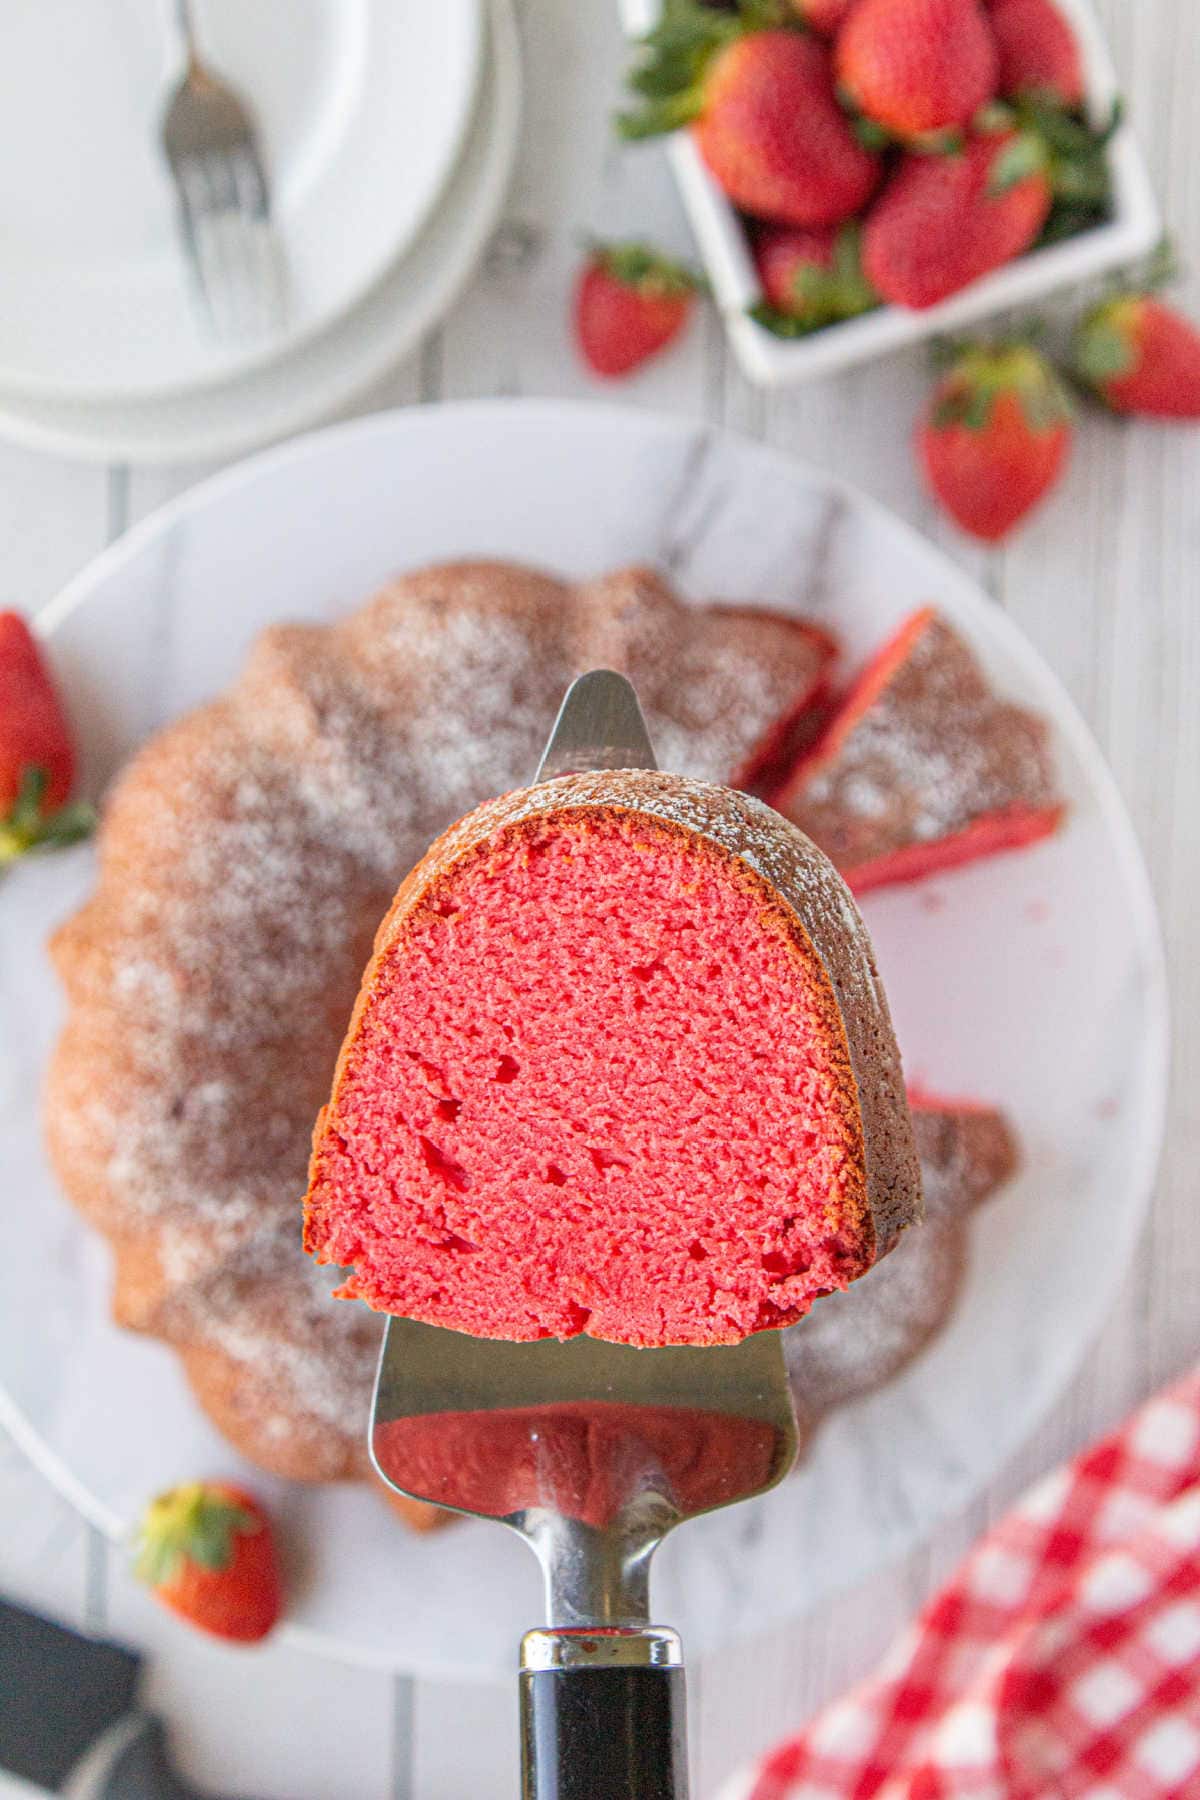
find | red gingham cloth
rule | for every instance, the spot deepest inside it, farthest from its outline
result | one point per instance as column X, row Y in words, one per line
column 1063, row 1659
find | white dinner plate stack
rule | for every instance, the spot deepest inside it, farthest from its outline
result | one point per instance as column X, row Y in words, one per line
column 389, row 128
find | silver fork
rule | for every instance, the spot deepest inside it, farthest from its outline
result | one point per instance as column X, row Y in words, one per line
column 211, row 144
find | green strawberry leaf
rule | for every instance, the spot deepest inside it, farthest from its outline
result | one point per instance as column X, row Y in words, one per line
column 71, row 824
column 951, row 409
column 1073, row 151
column 1024, row 156
column 1163, row 266
column 28, row 828
column 1067, row 220
column 767, row 15
column 192, row 1524
column 1082, row 181
column 642, row 267
column 156, row 1563
column 26, row 814
column 996, row 116
column 1062, row 128
column 781, row 324
column 1102, row 353
column 981, row 372
column 977, row 411
column 823, row 296
column 854, row 292
column 660, row 117
column 870, row 134
column 673, row 57
column 1047, row 404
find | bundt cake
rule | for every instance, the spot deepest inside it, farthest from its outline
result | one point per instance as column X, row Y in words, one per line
column 922, row 767
column 620, row 1064
column 245, row 859
column 853, row 1342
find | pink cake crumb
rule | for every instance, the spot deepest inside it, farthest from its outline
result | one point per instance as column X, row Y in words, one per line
column 599, row 1080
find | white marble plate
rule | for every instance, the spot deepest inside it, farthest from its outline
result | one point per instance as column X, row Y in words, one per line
column 1034, row 980
column 362, row 107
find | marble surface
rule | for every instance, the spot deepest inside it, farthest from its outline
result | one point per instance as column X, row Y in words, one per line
column 1033, row 982
column 1104, row 584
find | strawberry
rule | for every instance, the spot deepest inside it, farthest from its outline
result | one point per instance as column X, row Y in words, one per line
column 1038, row 51
column 1140, row 356
column 810, row 278
column 945, row 221
column 825, row 16
column 630, row 303
column 764, row 113
column 996, row 437
column 207, row 1551
column 917, row 67
column 37, row 756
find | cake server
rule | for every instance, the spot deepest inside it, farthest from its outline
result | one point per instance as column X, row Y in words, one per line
column 592, row 1452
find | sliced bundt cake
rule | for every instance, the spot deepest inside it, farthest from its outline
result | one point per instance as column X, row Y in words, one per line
column 923, row 766
column 246, row 857
column 620, row 1064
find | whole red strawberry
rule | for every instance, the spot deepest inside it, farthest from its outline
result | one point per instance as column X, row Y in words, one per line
column 917, row 67
column 630, row 303
column 774, row 136
column 37, row 756
column 1039, row 53
column 945, row 221
column 811, row 278
column 765, row 117
column 1141, row 356
column 996, row 437
column 207, row 1551
column 825, row 16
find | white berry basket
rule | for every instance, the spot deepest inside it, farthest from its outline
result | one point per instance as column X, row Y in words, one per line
column 1134, row 229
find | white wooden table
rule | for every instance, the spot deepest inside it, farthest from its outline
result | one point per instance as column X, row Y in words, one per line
column 1106, row 583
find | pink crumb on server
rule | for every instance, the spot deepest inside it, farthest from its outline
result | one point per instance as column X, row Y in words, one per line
column 600, row 1078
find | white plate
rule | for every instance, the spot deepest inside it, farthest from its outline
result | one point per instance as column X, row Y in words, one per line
column 1134, row 229
column 362, row 105
column 1037, row 983
column 341, row 362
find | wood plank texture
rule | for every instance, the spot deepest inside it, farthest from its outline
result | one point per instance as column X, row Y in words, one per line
column 1106, row 583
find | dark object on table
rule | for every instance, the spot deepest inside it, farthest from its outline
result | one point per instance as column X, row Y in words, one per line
column 68, row 1712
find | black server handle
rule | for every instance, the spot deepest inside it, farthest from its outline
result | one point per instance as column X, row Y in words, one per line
column 602, row 1716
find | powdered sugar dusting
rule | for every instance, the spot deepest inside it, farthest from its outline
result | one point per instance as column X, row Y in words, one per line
column 851, row 1343
column 247, row 857
column 935, row 751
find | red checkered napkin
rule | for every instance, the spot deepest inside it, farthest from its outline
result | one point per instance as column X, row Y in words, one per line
column 1063, row 1660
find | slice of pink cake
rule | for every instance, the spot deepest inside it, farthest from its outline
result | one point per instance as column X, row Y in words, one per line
column 923, row 767
column 621, row 1064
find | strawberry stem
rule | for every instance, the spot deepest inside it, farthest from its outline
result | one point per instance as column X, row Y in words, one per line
column 673, row 58
column 27, row 827
column 642, row 267
column 193, row 1523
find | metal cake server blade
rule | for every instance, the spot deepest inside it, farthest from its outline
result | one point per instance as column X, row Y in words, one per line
column 592, row 1452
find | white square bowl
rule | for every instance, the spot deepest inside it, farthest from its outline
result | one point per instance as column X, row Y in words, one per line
column 1134, row 229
